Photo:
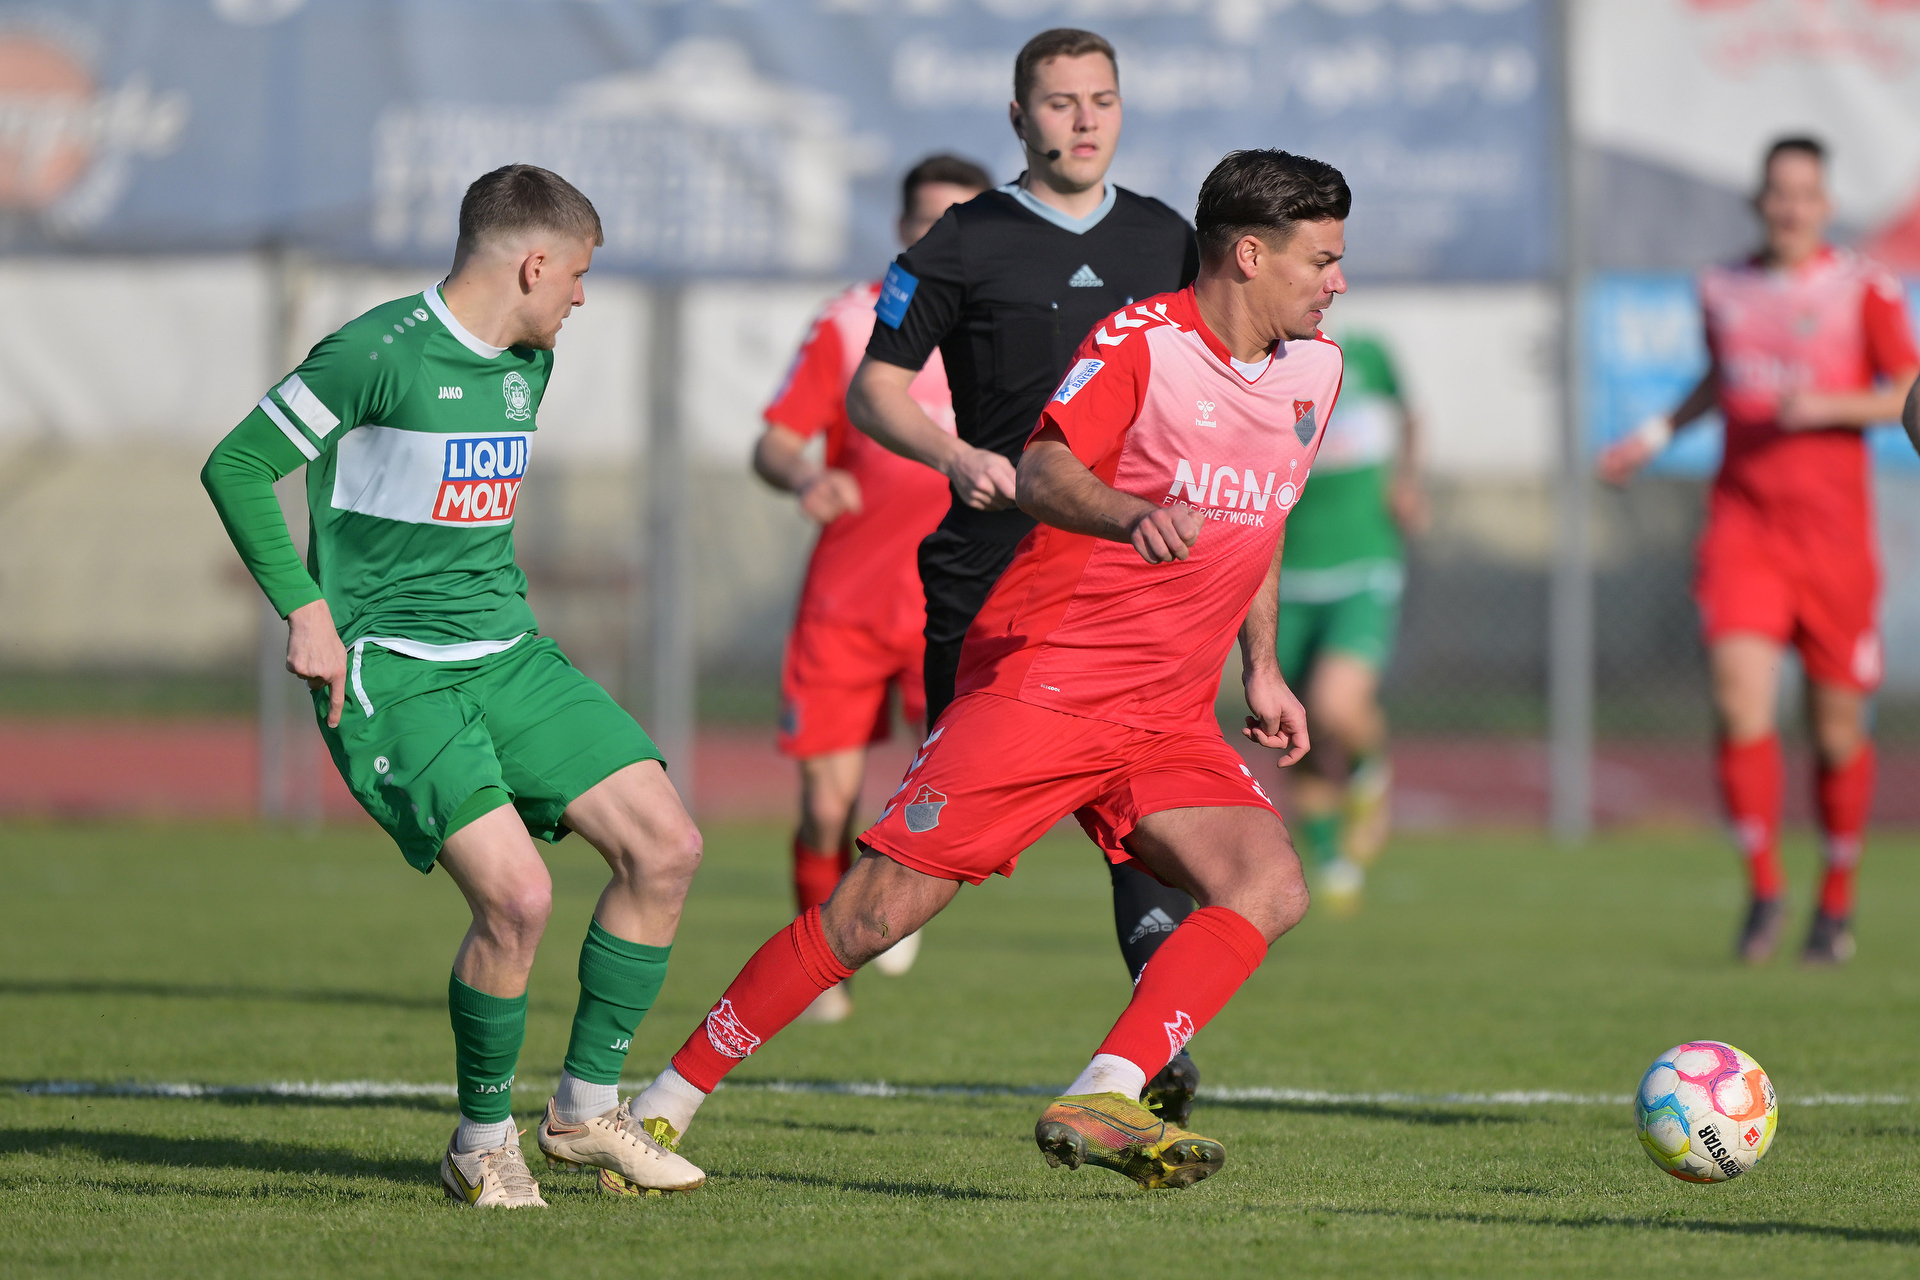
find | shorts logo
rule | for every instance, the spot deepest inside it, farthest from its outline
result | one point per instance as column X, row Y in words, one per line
column 1077, row 377
column 1866, row 659
column 923, row 811
column 380, row 764
column 1303, row 423
column 520, row 396
column 480, row 479
column 727, row 1034
column 1155, row 921
column 1179, row 1031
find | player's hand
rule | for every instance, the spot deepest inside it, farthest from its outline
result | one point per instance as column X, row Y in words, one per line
column 1166, row 533
column 1278, row 720
column 983, row 479
column 1408, row 501
column 1802, row 410
column 315, row 654
column 1619, row 461
column 829, row 495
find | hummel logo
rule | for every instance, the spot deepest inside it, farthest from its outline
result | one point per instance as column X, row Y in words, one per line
column 1085, row 279
column 453, row 393
column 1155, row 921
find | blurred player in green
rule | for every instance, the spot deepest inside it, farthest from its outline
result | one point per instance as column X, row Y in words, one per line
column 1342, row 572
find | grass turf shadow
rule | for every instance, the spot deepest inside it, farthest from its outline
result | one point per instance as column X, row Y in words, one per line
column 1909, row 1236
column 1444, row 1117
column 217, row 1153
column 893, row 1189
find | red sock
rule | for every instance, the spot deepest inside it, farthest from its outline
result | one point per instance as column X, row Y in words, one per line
column 1190, row 979
column 815, row 873
column 1750, row 787
column 1845, row 797
column 774, row 988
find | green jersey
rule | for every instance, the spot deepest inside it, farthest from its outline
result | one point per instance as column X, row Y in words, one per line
column 414, row 434
column 1342, row 517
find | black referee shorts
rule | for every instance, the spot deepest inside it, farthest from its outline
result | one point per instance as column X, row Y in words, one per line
column 956, row 572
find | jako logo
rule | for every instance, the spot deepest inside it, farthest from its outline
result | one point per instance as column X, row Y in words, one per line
column 480, row 479
column 453, row 393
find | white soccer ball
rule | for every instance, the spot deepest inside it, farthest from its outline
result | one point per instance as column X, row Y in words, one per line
column 1707, row 1111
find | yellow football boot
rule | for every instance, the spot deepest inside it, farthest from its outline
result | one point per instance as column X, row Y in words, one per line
column 1115, row 1132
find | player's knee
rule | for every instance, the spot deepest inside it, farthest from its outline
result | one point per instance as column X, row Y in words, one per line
column 518, row 915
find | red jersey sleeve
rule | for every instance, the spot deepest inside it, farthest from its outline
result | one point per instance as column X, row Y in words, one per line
column 1100, row 397
column 1890, row 346
column 812, row 399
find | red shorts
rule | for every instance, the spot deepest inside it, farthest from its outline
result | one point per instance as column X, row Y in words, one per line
column 1823, row 599
column 997, row 773
column 834, row 684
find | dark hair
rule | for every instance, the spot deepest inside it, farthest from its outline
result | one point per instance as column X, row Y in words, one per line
column 1060, row 42
column 1801, row 144
column 955, row 170
column 1265, row 193
column 524, row 197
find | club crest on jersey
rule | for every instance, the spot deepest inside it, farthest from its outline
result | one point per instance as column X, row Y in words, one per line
column 923, row 811
column 1303, row 423
column 1077, row 377
column 520, row 396
column 480, row 479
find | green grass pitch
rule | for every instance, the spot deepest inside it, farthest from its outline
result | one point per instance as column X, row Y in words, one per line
column 1481, row 964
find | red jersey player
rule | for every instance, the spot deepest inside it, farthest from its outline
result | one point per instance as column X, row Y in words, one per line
column 857, row 632
column 1808, row 345
column 1162, row 472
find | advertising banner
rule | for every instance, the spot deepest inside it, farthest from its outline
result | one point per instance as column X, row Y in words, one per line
column 754, row 137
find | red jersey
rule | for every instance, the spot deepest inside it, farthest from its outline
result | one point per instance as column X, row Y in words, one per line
column 1833, row 324
column 1155, row 407
column 863, row 570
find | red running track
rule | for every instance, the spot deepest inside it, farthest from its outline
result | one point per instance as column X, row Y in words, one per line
column 209, row 769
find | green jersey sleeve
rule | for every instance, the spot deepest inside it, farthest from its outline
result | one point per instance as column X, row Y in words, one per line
column 340, row 385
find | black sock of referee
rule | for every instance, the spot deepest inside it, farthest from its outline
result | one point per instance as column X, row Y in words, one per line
column 1145, row 913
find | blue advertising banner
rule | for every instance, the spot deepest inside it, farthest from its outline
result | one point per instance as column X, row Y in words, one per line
column 750, row 137
column 1645, row 352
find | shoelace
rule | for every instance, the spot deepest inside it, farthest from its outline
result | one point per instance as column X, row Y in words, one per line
column 509, row 1164
column 626, row 1125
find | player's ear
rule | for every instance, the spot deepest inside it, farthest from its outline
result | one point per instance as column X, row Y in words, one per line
column 532, row 267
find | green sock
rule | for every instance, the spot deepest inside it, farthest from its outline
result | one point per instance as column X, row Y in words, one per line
column 1321, row 835
column 619, row 981
column 487, row 1034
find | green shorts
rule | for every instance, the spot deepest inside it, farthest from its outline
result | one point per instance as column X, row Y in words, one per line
column 1351, row 609
column 523, row 725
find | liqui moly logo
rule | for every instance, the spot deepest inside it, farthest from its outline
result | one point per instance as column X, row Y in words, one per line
column 480, row 479
column 1222, row 491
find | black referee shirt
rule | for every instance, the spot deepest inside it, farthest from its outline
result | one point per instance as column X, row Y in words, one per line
column 1007, row 295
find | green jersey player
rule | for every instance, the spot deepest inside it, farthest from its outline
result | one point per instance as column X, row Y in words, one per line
column 460, row 728
column 1343, row 567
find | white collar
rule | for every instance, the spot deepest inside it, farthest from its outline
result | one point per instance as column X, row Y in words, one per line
column 458, row 330
column 1079, row 226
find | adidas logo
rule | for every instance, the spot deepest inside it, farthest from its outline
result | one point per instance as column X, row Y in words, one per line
column 1155, row 921
column 1085, row 279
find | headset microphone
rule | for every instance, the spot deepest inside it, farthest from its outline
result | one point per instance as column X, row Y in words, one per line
column 1051, row 155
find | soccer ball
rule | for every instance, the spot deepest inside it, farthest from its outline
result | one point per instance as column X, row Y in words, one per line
column 1706, row 1110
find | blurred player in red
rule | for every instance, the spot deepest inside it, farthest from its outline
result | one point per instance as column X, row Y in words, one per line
column 1809, row 344
column 1161, row 472
column 857, row 634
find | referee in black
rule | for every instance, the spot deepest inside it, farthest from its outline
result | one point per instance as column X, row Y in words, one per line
column 1006, row 286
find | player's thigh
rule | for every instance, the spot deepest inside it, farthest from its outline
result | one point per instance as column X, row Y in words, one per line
column 1361, row 628
column 1341, row 695
column 833, row 689
column 1745, row 671
column 423, row 764
column 1836, row 620
column 635, row 818
column 499, row 871
column 1238, row 857
column 832, row 781
column 993, row 777
column 557, row 733
column 880, row 901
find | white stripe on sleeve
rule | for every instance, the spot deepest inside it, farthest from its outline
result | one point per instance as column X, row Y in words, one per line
column 307, row 407
column 288, row 430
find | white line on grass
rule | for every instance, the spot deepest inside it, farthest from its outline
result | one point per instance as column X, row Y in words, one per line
column 375, row 1090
